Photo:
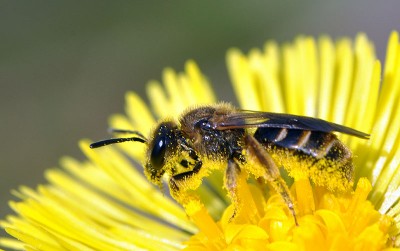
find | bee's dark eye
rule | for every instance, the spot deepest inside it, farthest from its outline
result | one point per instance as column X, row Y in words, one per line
column 158, row 152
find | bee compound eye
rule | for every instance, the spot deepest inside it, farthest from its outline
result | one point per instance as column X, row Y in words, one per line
column 157, row 155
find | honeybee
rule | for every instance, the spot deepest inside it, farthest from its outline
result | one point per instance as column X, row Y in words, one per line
column 225, row 138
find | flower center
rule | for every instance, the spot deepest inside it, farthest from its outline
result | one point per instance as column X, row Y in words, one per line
column 326, row 221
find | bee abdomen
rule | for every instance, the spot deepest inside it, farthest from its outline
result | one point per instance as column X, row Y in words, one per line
column 312, row 143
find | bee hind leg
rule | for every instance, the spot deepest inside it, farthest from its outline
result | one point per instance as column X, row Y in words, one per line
column 271, row 172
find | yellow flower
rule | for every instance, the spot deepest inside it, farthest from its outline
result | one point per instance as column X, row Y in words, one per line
column 106, row 203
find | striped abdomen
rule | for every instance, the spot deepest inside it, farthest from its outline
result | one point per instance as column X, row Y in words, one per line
column 313, row 143
column 327, row 161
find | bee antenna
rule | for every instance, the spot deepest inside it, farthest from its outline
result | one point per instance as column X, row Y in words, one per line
column 123, row 131
column 115, row 140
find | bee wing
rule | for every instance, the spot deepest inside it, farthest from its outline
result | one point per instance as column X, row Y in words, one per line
column 249, row 119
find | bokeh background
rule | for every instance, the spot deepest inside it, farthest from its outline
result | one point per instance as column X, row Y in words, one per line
column 65, row 65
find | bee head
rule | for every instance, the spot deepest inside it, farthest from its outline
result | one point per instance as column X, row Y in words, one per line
column 169, row 153
column 161, row 150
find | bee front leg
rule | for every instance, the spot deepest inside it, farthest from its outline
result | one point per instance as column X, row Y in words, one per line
column 182, row 196
column 173, row 188
column 271, row 174
column 197, row 213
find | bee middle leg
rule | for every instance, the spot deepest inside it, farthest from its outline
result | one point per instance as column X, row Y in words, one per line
column 232, row 173
column 272, row 174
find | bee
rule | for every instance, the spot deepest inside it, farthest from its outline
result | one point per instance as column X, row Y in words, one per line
column 232, row 140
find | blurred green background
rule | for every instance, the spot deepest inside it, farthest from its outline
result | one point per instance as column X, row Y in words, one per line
column 65, row 65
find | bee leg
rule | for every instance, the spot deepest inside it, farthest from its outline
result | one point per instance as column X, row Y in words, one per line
column 182, row 196
column 231, row 176
column 272, row 174
column 173, row 188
